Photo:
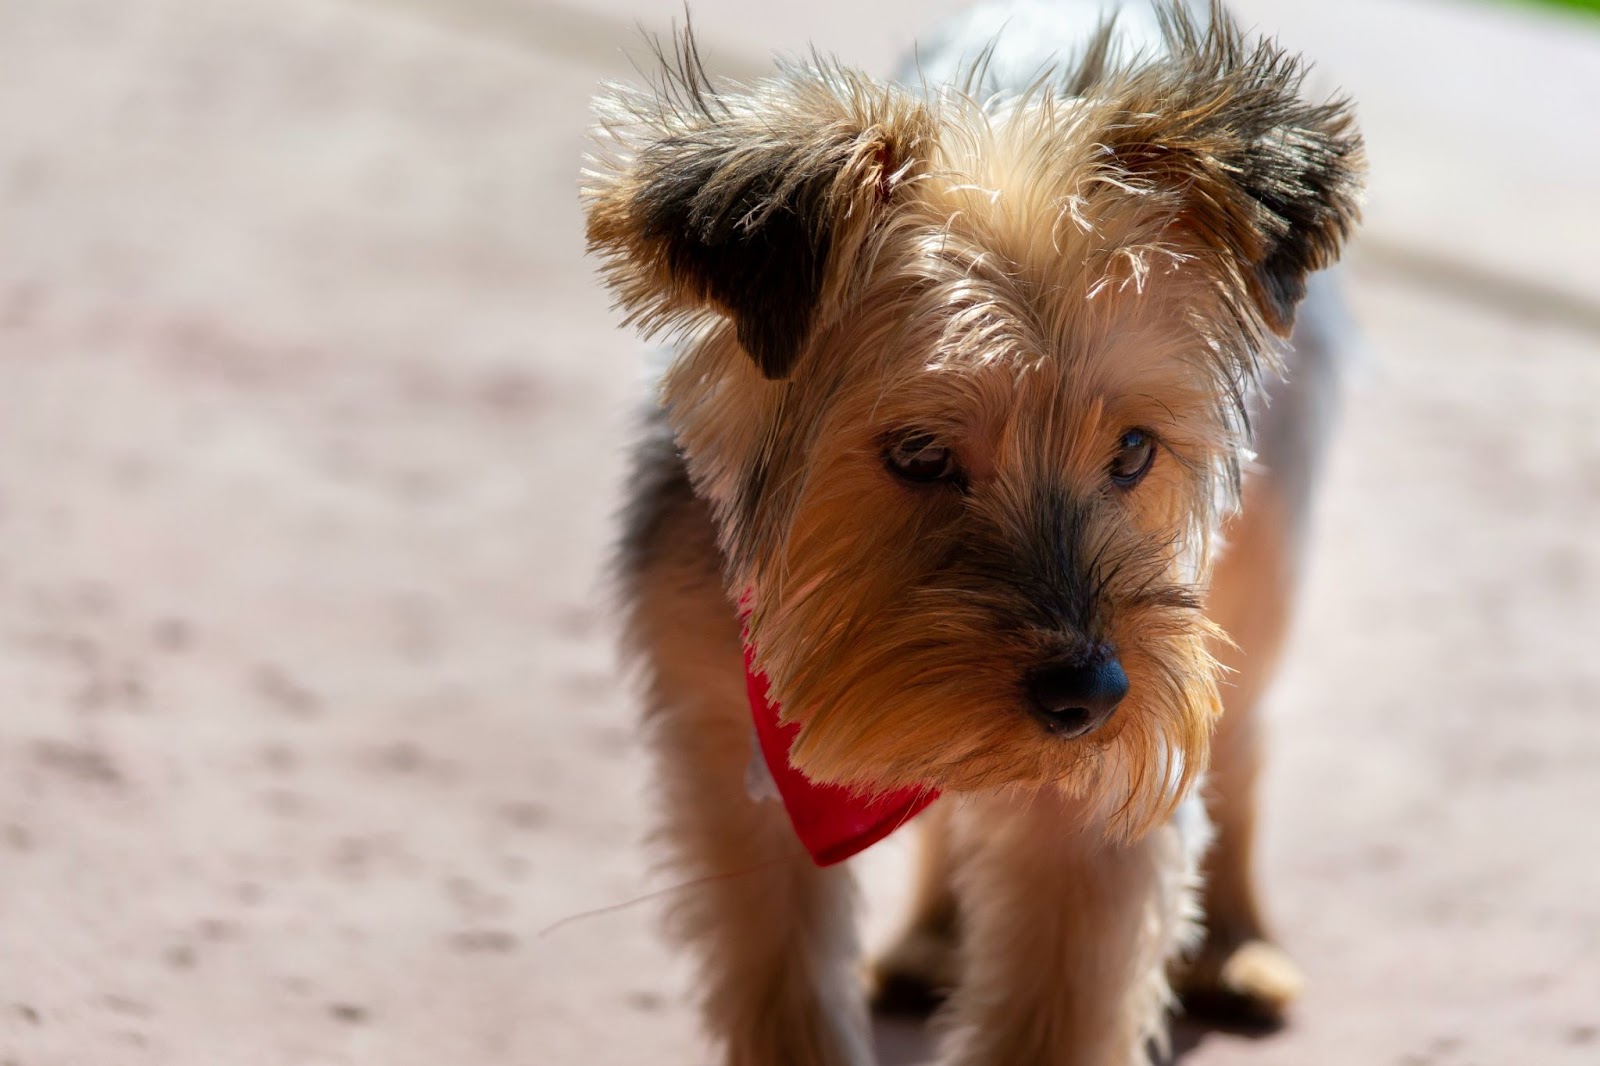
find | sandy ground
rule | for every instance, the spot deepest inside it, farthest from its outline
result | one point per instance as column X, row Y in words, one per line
column 311, row 423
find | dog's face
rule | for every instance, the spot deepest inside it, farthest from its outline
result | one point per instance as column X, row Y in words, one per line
column 966, row 390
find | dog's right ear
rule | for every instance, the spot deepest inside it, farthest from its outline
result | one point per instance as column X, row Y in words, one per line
column 749, row 203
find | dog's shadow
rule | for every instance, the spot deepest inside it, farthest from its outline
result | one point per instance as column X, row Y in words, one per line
column 909, row 1041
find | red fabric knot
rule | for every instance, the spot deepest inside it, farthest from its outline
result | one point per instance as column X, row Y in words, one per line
column 832, row 822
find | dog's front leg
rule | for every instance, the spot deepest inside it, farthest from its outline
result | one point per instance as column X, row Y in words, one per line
column 1066, row 935
column 775, row 935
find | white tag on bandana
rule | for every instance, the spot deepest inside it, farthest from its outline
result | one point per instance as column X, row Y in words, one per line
column 758, row 782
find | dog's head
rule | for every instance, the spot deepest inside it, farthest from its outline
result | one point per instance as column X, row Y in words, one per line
column 966, row 387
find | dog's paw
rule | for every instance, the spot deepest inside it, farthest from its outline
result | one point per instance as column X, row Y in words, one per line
column 1250, row 983
column 916, row 975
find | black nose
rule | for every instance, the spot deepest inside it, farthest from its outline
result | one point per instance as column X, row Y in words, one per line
column 1077, row 698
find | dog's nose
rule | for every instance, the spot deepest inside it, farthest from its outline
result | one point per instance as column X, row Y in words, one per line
column 1075, row 699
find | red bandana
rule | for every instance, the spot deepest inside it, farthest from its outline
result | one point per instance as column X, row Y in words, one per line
column 832, row 822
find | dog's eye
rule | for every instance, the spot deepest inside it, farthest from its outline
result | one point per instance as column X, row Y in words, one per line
column 1136, row 451
column 920, row 457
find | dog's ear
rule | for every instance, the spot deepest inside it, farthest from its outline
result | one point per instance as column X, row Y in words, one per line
column 1256, row 173
column 750, row 202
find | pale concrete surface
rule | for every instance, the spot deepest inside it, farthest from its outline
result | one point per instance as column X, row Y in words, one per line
column 311, row 424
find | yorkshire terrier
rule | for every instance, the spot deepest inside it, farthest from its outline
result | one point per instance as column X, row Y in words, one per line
column 971, row 373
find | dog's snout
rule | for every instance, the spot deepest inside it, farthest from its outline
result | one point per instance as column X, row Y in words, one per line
column 1075, row 699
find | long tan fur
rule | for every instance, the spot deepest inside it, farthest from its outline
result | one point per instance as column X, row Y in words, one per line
column 845, row 264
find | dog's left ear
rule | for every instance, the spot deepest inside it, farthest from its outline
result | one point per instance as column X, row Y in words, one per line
column 749, row 203
column 1258, row 174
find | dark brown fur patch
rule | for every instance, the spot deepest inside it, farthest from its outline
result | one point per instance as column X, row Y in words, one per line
column 754, row 243
column 1268, row 178
column 744, row 207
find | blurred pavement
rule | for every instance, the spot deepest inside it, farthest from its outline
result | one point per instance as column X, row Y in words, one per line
column 312, row 419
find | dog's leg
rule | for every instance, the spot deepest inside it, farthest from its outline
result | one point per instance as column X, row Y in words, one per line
column 1065, row 936
column 779, row 983
column 918, row 971
column 1239, row 974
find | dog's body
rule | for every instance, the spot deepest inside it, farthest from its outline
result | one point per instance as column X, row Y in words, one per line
column 960, row 407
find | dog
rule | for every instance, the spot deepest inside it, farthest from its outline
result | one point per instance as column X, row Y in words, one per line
column 940, row 509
